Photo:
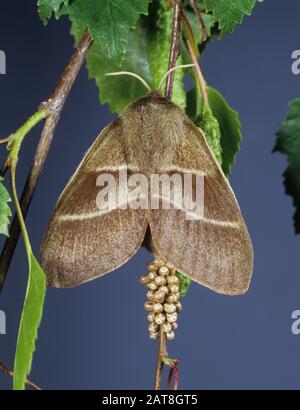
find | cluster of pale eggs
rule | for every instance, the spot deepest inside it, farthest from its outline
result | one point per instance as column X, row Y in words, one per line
column 163, row 296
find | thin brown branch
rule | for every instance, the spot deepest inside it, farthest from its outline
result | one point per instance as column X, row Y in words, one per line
column 4, row 169
column 4, row 140
column 53, row 106
column 161, row 353
column 173, row 363
column 198, row 73
column 201, row 21
column 170, row 378
column 174, row 48
column 9, row 373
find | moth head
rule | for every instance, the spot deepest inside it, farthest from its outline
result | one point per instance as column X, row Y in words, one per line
column 151, row 91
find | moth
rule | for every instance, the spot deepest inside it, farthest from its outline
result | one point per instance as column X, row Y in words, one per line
column 153, row 135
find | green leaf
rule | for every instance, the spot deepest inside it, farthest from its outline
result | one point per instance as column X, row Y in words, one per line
column 5, row 211
column 159, row 27
column 288, row 142
column 108, row 21
column 184, row 284
column 30, row 321
column 228, row 119
column 229, row 13
column 149, row 42
column 211, row 128
column 47, row 7
column 119, row 92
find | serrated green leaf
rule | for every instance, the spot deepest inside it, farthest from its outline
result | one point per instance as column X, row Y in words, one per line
column 146, row 43
column 231, row 136
column 109, row 22
column 30, row 321
column 5, row 211
column 288, row 142
column 47, row 7
column 119, row 92
column 159, row 25
column 229, row 13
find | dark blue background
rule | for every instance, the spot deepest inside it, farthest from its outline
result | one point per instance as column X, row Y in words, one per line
column 95, row 336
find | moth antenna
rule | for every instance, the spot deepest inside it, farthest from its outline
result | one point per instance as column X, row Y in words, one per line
column 171, row 70
column 145, row 84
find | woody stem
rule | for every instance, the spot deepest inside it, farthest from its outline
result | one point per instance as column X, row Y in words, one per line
column 9, row 373
column 200, row 19
column 174, row 48
column 52, row 107
column 162, row 352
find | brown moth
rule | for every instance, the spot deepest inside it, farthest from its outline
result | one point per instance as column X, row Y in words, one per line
column 153, row 135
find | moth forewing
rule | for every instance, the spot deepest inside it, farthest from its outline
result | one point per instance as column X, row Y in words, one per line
column 215, row 250
column 83, row 242
column 152, row 136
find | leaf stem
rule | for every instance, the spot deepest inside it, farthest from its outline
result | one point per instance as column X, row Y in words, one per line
column 198, row 73
column 10, row 373
column 53, row 107
column 18, row 208
column 174, row 49
column 16, row 139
